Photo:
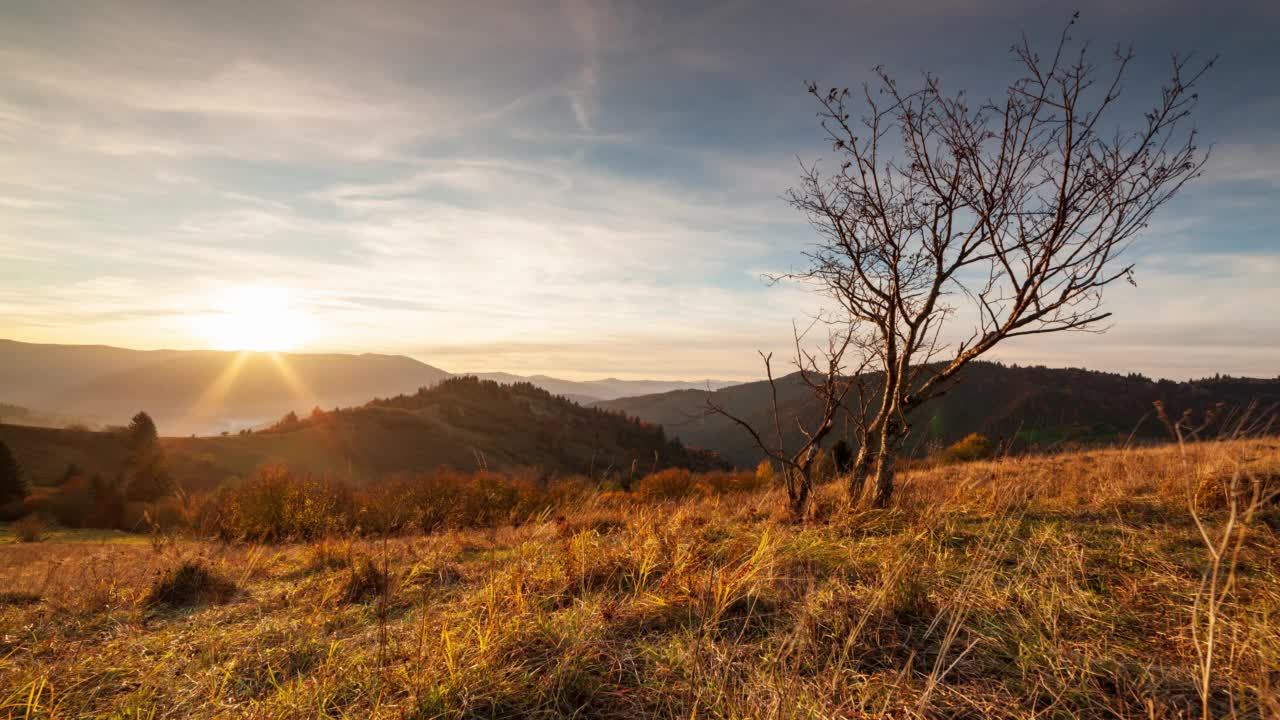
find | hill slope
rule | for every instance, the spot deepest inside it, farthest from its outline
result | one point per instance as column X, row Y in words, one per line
column 1038, row 405
column 462, row 422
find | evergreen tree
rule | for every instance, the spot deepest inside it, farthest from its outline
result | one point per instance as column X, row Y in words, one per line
column 142, row 432
column 147, row 473
column 13, row 484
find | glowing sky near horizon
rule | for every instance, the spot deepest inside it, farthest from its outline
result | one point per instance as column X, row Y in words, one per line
column 579, row 188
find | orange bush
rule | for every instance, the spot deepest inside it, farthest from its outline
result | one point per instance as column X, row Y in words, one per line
column 974, row 446
column 666, row 484
column 274, row 504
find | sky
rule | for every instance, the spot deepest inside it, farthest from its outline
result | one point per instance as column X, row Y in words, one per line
column 581, row 189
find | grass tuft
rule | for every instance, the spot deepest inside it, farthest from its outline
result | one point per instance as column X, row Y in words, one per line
column 188, row 584
column 366, row 581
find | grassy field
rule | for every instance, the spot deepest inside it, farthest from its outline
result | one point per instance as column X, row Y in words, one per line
column 1079, row 585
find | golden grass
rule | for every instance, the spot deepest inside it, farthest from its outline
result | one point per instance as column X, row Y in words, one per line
column 1061, row 586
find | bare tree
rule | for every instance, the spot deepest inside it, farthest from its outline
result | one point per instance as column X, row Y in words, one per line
column 950, row 227
column 824, row 373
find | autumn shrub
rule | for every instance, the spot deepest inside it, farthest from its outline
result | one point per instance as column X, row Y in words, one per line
column 275, row 504
column 492, row 498
column 765, row 474
column 666, row 484
column 974, row 446
column 447, row 498
column 724, row 482
column 386, row 507
column 68, row 504
column 167, row 514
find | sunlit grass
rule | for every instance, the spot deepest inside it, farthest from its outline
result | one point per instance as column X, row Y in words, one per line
column 1055, row 587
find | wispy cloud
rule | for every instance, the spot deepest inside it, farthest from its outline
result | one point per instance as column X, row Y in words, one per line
column 577, row 187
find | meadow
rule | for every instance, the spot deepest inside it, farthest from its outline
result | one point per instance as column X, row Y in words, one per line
column 1130, row 583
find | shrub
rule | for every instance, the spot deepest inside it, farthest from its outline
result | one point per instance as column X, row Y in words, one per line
column 447, row 498
column 71, row 503
column 190, row 583
column 666, row 484
column 720, row 482
column 109, row 505
column 166, row 514
column 275, row 504
column 973, row 446
column 29, row 529
column 385, row 507
column 765, row 473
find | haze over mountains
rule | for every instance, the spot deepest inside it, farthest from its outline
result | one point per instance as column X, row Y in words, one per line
column 593, row 391
column 206, row 391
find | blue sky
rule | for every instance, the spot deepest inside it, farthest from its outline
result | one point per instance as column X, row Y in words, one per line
column 575, row 188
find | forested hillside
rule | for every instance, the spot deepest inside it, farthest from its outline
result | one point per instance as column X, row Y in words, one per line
column 1028, row 406
column 463, row 423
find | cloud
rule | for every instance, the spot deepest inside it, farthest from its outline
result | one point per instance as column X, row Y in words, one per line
column 580, row 187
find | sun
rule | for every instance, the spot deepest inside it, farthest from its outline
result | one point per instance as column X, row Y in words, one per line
column 255, row 318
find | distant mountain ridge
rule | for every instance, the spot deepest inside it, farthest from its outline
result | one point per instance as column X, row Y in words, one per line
column 196, row 391
column 207, row 391
column 1037, row 406
column 592, row 391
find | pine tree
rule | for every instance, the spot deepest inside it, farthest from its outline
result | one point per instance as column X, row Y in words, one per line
column 142, row 432
column 148, row 476
column 13, row 483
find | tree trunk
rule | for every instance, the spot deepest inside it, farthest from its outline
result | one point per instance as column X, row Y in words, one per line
column 800, row 498
column 868, row 451
column 886, row 462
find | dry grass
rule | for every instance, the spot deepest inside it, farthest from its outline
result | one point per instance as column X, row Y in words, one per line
column 1066, row 586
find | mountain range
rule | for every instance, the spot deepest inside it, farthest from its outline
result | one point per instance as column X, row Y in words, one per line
column 1028, row 406
column 206, row 392
column 402, row 414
